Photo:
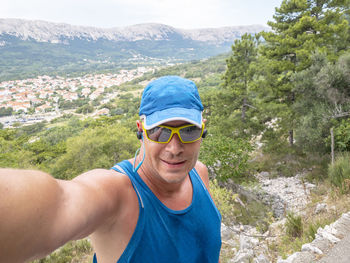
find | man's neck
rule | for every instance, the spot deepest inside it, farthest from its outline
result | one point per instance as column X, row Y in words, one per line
column 175, row 195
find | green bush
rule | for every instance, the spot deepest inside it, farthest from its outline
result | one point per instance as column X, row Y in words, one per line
column 294, row 225
column 226, row 157
column 342, row 136
column 339, row 172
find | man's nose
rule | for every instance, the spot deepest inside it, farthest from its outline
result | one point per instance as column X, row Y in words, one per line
column 175, row 146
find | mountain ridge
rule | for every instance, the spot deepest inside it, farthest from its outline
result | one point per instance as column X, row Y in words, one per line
column 29, row 48
column 43, row 31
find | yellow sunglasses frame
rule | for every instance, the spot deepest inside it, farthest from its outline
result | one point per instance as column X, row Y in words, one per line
column 175, row 130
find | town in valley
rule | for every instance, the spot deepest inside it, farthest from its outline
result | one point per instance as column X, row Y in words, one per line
column 38, row 99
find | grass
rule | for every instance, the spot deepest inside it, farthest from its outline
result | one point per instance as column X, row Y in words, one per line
column 74, row 252
column 294, row 225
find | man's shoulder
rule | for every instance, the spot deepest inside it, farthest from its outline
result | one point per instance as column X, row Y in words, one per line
column 111, row 178
column 200, row 167
column 112, row 184
column 202, row 170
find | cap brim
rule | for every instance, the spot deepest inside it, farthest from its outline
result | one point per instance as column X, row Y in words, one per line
column 174, row 114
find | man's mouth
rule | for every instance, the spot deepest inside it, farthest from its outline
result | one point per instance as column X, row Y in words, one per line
column 173, row 163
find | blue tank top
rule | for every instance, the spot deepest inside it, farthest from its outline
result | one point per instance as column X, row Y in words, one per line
column 163, row 235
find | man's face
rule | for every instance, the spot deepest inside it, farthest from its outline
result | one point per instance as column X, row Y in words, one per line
column 170, row 162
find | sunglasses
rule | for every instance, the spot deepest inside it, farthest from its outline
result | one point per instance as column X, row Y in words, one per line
column 163, row 134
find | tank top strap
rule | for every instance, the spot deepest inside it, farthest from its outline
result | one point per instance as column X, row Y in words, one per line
column 124, row 168
column 195, row 177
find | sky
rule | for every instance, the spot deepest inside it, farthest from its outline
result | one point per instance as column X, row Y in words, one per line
column 186, row 14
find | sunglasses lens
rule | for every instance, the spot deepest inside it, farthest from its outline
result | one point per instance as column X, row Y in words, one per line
column 159, row 134
column 162, row 134
column 191, row 133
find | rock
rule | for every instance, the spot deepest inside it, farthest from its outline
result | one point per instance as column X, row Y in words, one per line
column 321, row 207
column 283, row 261
column 309, row 186
column 330, row 229
column 234, row 250
column 261, row 259
column 245, row 242
column 254, row 241
column 226, row 233
column 342, row 225
column 302, row 257
column 323, row 244
column 311, row 248
column 346, row 217
column 243, row 256
column 283, row 193
column 264, row 174
column 295, row 257
column 232, row 243
column 321, row 233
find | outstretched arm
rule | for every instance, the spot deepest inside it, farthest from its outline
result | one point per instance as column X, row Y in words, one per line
column 39, row 213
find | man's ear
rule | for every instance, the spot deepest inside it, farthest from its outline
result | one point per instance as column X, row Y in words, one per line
column 139, row 125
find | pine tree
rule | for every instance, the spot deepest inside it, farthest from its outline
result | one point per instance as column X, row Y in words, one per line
column 240, row 70
column 235, row 101
column 301, row 27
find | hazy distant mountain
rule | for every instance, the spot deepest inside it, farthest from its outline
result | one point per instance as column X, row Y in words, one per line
column 42, row 31
column 31, row 46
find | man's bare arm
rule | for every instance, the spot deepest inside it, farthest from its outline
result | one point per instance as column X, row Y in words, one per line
column 40, row 213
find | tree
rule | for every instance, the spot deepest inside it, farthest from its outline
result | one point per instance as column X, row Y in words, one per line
column 300, row 28
column 325, row 101
column 239, row 76
column 6, row 111
column 87, row 108
column 231, row 105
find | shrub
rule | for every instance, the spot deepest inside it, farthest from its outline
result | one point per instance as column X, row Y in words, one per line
column 294, row 225
column 339, row 172
column 95, row 147
column 226, row 157
column 224, row 200
column 342, row 136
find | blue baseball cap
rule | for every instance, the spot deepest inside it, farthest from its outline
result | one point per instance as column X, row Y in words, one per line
column 170, row 98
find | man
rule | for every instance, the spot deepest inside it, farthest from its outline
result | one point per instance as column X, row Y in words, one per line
column 152, row 208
